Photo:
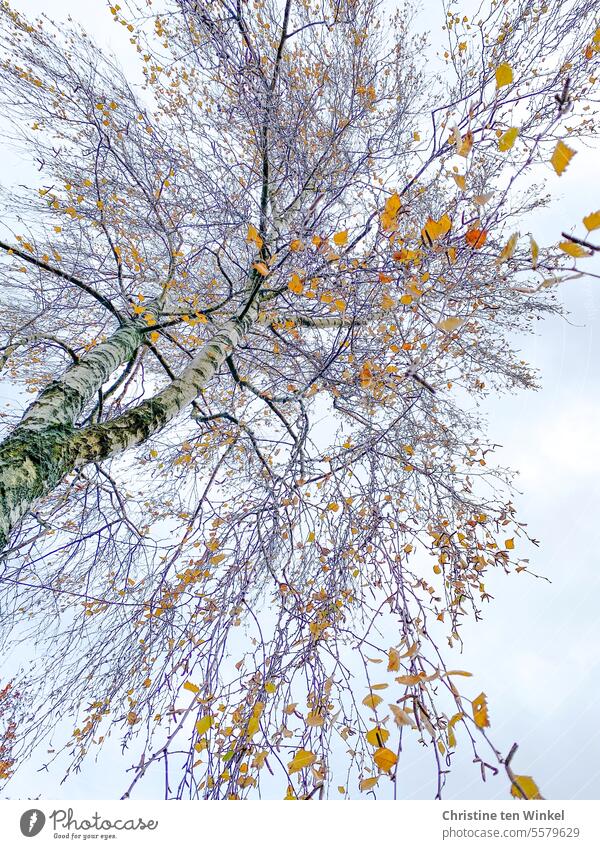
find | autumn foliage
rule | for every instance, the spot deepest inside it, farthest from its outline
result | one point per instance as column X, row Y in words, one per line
column 247, row 289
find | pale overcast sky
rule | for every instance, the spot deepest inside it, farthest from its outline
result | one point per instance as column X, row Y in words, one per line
column 536, row 654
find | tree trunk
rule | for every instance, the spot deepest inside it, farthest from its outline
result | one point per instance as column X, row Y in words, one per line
column 45, row 446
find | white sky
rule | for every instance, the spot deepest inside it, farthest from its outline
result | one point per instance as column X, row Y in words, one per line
column 536, row 654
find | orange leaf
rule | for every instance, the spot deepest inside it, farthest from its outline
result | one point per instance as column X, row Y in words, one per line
column 366, row 374
column 476, row 238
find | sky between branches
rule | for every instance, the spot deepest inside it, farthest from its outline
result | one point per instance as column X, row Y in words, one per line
column 536, row 654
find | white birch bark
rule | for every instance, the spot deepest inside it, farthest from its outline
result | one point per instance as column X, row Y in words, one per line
column 62, row 401
column 45, row 447
column 97, row 442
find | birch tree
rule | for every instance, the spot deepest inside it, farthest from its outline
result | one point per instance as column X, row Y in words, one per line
column 249, row 307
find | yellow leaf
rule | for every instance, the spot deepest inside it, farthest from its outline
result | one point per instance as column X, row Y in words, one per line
column 409, row 680
column 561, row 157
column 393, row 204
column 459, row 672
column 371, row 701
column 253, row 236
column 253, row 726
column 507, row 139
column 450, row 324
column 460, row 180
column 204, row 724
column 341, row 238
column 379, row 686
column 314, row 719
column 393, row 660
column 508, row 249
column 296, row 285
column 296, row 245
column 154, row 336
column 387, row 303
column 388, row 222
column 504, row 75
column 445, row 224
column 385, row 759
column 592, row 221
column 574, row 249
column 301, row 760
column 480, row 711
column 527, row 785
column 451, row 735
column 509, row 543
column 377, row 736
column 405, row 255
column 217, row 558
column 270, row 687
column 192, row 688
column 400, row 716
column 368, row 783
column 261, row 268
column 535, row 252
column 464, row 148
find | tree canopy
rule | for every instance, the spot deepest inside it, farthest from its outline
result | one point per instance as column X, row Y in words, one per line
column 252, row 304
